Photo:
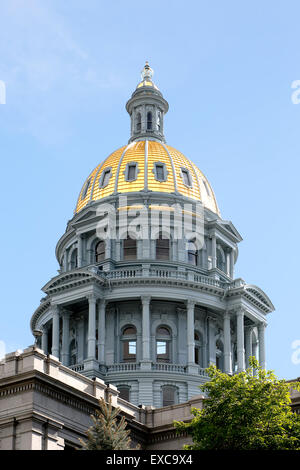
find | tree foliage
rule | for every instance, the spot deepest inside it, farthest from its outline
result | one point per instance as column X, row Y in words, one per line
column 245, row 411
column 107, row 433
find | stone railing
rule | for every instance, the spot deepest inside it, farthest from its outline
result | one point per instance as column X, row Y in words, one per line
column 161, row 272
column 122, row 367
column 77, row 367
column 202, row 372
column 165, row 367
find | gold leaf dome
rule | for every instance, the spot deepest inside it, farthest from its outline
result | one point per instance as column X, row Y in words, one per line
column 181, row 175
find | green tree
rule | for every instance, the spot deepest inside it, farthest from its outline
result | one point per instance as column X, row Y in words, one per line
column 107, row 433
column 245, row 411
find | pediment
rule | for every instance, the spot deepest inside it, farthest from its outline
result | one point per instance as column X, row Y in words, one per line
column 70, row 279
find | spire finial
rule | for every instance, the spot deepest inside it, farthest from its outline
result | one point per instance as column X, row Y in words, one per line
column 147, row 72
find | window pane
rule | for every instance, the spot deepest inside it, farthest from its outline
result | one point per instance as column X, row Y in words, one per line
column 161, row 347
column 131, row 172
column 163, row 331
column 160, row 172
column 132, row 347
column 84, row 192
column 162, row 248
column 168, row 396
column 129, row 331
column 105, row 178
column 100, row 251
column 149, row 121
column 124, row 393
column 129, row 249
column 186, row 177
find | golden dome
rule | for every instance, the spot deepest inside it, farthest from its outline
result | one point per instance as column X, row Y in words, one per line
column 180, row 175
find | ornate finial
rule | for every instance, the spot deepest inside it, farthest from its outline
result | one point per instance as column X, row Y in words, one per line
column 147, row 72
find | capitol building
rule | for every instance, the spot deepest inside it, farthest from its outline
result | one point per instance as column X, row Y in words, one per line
column 148, row 311
column 146, row 298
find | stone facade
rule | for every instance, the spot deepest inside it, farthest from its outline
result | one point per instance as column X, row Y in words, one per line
column 47, row 406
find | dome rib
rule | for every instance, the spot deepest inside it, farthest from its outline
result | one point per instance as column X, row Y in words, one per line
column 173, row 167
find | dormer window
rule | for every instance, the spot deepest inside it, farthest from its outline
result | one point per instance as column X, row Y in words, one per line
column 131, row 171
column 160, row 171
column 105, row 177
column 149, row 121
column 86, row 188
column 185, row 174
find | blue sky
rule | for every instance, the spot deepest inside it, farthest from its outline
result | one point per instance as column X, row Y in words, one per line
column 226, row 69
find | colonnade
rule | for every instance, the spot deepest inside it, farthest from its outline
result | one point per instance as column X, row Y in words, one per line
column 243, row 338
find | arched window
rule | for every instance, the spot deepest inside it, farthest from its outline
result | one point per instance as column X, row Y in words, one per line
column 220, row 260
column 124, row 392
column 162, row 248
column 130, row 248
column 74, row 260
column 163, row 344
column 198, row 345
column 138, row 122
column 100, row 251
column 129, row 344
column 192, row 253
column 149, row 121
column 169, row 395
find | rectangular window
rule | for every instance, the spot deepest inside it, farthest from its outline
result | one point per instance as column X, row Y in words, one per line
column 132, row 347
column 162, row 351
column 105, row 178
column 161, row 347
column 160, row 174
column 186, row 177
column 131, row 175
column 129, row 351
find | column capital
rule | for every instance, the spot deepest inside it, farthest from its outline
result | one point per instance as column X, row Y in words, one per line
column 145, row 299
column 227, row 314
column 55, row 308
column 66, row 312
column 190, row 303
column 91, row 298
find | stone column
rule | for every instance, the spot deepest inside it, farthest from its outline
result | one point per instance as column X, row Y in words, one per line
column 66, row 261
column 227, row 344
column 261, row 341
column 228, row 262
column 240, row 340
column 92, row 328
column 79, row 251
column 232, row 264
column 248, row 345
column 45, row 339
column 55, row 331
column 211, row 341
column 65, row 338
column 80, row 341
column 101, row 331
column 146, row 331
column 214, row 251
column 190, row 340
